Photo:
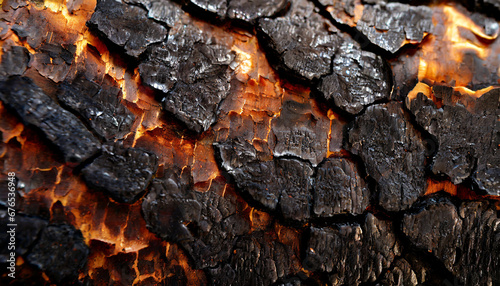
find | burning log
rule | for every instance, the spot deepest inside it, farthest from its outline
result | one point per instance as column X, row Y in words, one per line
column 177, row 155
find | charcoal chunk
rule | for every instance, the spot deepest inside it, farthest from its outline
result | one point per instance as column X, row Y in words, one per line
column 387, row 25
column 303, row 41
column 205, row 224
column 164, row 11
column 393, row 152
column 352, row 253
column 126, row 26
column 294, row 179
column 278, row 183
column 193, row 70
column 338, row 189
column 14, row 59
column 256, row 260
column 466, row 240
column 467, row 132
column 250, row 11
column 218, row 7
column 53, row 60
column 61, row 127
column 26, row 232
column 60, row 253
column 100, row 106
column 299, row 132
column 124, row 173
column 359, row 78
column 401, row 274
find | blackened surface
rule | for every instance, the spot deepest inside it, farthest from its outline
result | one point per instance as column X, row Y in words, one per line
column 257, row 260
column 464, row 239
column 53, row 60
column 400, row 274
column 193, row 70
column 123, row 173
column 250, row 11
column 60, row 126
column 300, row 132
column 352, row 253
column 359, row 78
column 99, row 105
column 393, row 153
column 164, row 11
column 126, row 26
column 303, row 40
column 387, row 25
column 14, row 59
column 60, row 252
column 467, row 131
column 25, row 232
column 338, row 188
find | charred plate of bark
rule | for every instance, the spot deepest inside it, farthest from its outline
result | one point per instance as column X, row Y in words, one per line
column 300, row 132
column 26, row 232
column 400, row 274
column 123, row 173
column 99, row 105
column 205, row 224
column 192, row 68
column 466, row 240
column 303, row 41
column 53, row 61
column 276, row 183
column 351, row 253
column 256, row 260
column 15, row 59
column 467, row 131
column 359, row 78
column 245, row 11
column 60, row 252
column 387, row 25
column 339, row 189
column 61, row 127
column 393, row 153
column 126, row 26
column 164, row 11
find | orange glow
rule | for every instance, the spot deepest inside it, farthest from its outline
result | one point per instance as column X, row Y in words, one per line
column 459, row 191
column 447, row 55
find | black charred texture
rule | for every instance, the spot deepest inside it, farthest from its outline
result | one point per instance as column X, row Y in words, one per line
column 205, row 224
column 339, row 189
column 164, row 11
column 193, row 70
column 466, row 136
column 26, row 231
column 60, row 253
column 359, row 78
column 241, row 10
column 99, row 105
column 15, row 60
column 61, row 127
column 301, row 133
column 53, row 61
column 257, row 259
column 127, row 26
column 123, row 173
column 401, row 274
column 278, row 183
column 466, row 240
column 294, row 179
column 250, row 11
column 31, row 26
column 387, row 25
column 393, row 153
column 303, row 41
column 352, row 253
column 217, row 7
